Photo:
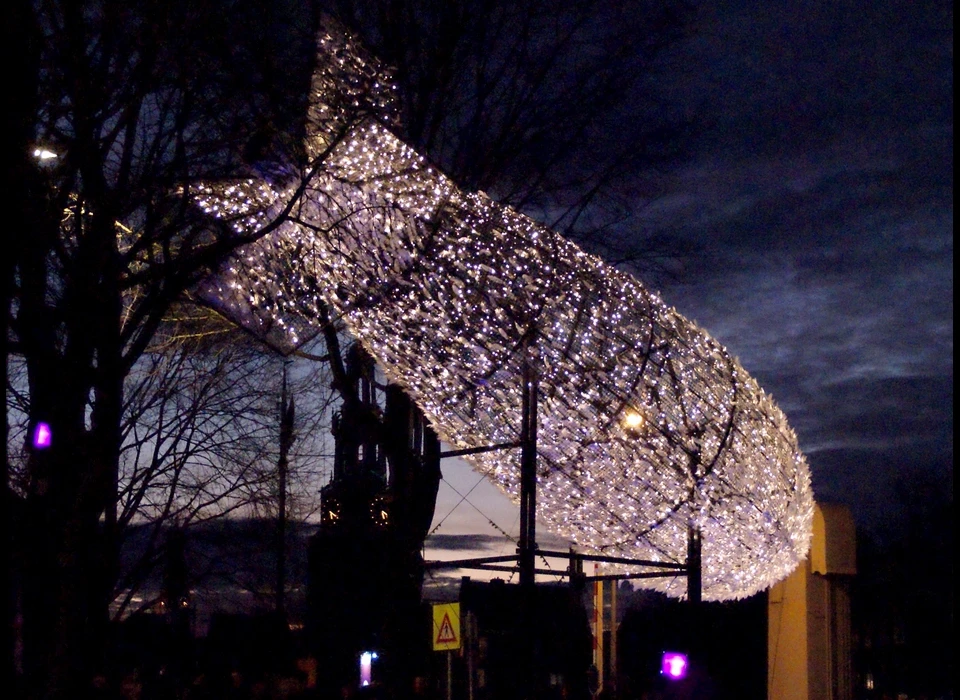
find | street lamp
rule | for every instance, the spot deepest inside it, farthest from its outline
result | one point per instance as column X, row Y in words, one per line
column 42, row 436
column 674, row 665
column 366, row 667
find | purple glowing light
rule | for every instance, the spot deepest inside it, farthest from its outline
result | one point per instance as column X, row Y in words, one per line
column 366, row 667
column 674, row 665
column 42, row 436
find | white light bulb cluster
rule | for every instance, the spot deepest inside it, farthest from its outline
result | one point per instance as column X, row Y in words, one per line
column 646, row 424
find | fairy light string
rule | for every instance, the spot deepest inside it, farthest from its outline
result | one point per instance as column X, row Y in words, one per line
column 646, row 423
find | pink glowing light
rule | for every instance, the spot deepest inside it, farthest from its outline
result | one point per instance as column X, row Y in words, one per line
column 42, row 436
column 673, row 665
column 366, row 667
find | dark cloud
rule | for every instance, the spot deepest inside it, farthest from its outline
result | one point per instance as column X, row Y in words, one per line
column 819, row 200
column 816, row 196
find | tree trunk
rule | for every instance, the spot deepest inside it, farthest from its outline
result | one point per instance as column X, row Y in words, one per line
column 70, row 560
column 20, row 38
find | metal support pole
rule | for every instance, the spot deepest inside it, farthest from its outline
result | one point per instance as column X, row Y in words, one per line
column 694, row 575
column 576, row 576
column 598, row 628
column 528, row 472
column 694, row 594
column 469, row 648
column 449, row 675
column 614, row 661
column 286, row 441
column 526, row 551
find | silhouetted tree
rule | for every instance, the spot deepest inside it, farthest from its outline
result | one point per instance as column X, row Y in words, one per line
column 133, row 102
column 21, row 41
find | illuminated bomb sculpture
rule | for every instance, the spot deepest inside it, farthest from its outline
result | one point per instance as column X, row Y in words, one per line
column 647, row 426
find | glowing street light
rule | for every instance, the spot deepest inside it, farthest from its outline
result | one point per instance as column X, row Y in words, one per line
column 366, row 667
column 674, row 665
column 42, row 436
column 632, row 420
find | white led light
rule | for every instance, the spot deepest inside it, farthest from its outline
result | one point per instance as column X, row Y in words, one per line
column 442, row 287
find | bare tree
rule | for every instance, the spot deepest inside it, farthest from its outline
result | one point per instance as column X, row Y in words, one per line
column 130, row 104
column 200, row 442
column 201, row 439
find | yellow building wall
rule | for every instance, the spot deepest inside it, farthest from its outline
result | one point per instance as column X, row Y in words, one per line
column 808, row 616
column 787, row 638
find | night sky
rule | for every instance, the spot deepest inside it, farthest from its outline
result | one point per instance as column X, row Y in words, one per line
column 821, row 202
column 816, row 196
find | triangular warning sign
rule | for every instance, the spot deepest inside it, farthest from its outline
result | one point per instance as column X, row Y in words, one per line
column 446, row 634
column 446, row 626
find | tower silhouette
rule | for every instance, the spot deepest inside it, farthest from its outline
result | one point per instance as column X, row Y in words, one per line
column 366, row 567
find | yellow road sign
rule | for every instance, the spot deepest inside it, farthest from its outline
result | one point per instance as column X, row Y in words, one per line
column 446, row 626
